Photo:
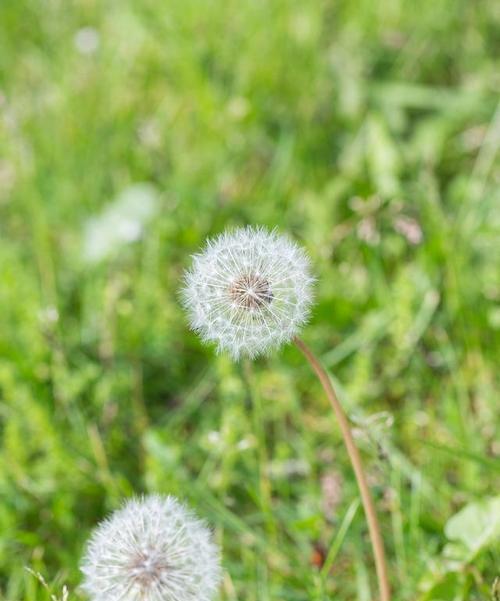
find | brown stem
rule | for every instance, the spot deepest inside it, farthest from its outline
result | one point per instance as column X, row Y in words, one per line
column 354, row 456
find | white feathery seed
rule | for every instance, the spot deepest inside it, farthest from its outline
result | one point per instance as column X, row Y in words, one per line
column 152, row 549
column 249, row 291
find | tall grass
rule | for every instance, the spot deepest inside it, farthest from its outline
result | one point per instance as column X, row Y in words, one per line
column 368, row 130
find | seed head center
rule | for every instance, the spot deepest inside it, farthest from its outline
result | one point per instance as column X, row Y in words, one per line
column 251, row 291
column 146, row 569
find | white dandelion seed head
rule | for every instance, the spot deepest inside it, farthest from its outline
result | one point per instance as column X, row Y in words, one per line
column 152, row 549
column 249, row 291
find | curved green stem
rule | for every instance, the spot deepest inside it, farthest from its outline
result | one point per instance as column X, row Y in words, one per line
column 355, row 457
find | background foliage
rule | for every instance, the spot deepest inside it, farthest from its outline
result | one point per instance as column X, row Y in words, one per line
column 131, row 130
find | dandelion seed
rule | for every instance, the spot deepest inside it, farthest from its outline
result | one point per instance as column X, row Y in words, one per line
column 152, row 549
column 249, row 291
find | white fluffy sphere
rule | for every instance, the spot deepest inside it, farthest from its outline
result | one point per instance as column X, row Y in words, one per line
column 249, row 291
column 152, row 549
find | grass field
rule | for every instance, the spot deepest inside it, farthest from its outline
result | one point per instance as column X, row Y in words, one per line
column 132, row 130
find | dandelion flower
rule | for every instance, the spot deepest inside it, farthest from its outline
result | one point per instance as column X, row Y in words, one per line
column 249, row 291
column 152, row 549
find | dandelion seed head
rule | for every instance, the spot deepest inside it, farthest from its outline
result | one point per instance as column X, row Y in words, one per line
column 152, row 549
column 249, row 291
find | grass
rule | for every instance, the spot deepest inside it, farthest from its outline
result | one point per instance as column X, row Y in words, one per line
column 370, row 131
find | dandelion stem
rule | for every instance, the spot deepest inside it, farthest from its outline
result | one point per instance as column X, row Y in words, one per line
column 264, row 482
column 354, row 456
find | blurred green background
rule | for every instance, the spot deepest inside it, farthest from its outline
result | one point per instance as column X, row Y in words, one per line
column 130, row 131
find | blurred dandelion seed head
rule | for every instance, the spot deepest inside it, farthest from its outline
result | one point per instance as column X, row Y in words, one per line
column 122, row 222
column 249, row 291
column 87, row 40
column 152, row 549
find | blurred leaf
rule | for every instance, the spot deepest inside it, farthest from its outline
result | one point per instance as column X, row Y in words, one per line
column 476, row 526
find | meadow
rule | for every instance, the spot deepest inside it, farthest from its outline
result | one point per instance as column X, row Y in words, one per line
column 129, row 132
